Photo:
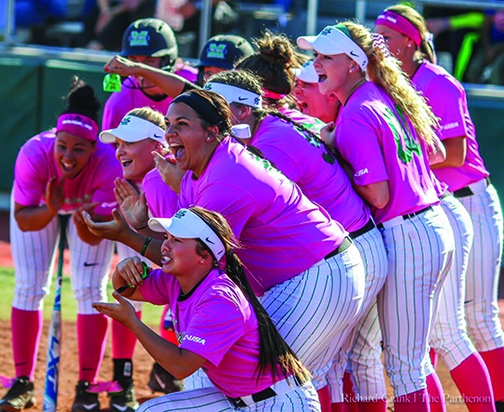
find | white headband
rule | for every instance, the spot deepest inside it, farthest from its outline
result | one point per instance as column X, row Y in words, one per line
column 333, row 40
column 134, row 129
column 234, row 94
column 187, row 225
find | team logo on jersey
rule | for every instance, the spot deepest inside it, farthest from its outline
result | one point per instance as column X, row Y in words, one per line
column 137, row 38
column 216, row 51
column 125, row 121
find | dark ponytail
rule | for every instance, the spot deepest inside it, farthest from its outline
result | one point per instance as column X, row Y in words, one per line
column 82, row 100
column 274, row 352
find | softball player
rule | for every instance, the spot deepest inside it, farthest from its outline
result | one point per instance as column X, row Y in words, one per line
column 308, row 97
column 151, row 42
column 61, row 171
column 303, row 157
column 219, row 53
column 466, row 177
column 393, row 175
column 135, row 138
column 216, row 317
column 140, row 133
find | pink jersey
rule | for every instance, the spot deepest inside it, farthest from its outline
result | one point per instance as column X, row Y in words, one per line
column 311, row 123
column 131, row 97
column 215, row 321
column 448, row 101
column 381, row 145
column 307, row 163
column 161, row 200
column 282, row 232
column 35, row 166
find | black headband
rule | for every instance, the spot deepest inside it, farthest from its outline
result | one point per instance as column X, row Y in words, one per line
column 201, row 106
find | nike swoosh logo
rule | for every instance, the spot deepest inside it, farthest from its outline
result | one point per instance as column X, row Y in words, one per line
column 91, row 406
column 353, row 54
column 157, row 136
column 121, row 407
column 87, row 265
column 209, row 241
column 242, row 98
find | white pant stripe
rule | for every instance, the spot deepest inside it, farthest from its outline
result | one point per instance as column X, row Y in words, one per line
column 337, row 285
column 483, row 270
column 419, row 255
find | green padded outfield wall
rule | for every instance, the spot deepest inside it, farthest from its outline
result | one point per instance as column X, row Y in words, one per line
column 31, row 92
column 20, row 85
column 56, row 81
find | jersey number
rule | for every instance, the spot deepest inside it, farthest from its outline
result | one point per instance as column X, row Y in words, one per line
column 397, row 122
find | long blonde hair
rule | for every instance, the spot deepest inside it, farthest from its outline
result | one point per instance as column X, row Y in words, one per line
column 386, row 72
column 416, row 19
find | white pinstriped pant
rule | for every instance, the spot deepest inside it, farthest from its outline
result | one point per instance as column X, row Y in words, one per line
column 481, row 307
column 300, row 399
column 316, row 310
column 420, row 253
column 449, row 332
column 361, row 352
column 34, row 255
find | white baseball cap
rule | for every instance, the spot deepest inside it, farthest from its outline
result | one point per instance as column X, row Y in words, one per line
column 134, row 129
column 335, row 40
column 187, row 225
column 307, row 73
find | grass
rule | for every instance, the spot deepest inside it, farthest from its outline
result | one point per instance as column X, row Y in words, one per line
column 150, row 314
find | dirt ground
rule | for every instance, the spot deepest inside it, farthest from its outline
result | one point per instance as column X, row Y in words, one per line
column 69, row 367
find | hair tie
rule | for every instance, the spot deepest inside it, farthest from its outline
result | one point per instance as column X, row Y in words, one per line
column 380, row 43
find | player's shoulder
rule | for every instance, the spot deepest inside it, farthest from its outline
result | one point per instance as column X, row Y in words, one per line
column 218, row 287
column 436, row 78
column 39, row 144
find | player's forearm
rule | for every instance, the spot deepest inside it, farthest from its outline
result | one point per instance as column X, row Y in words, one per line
column 136, row 241
column 34, row 218
column 86, row 236
column 174, row 359
column 169, row 83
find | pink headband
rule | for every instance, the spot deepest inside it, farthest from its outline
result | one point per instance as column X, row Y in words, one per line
column 272, row 95
column 400, row 24
column 78, row 125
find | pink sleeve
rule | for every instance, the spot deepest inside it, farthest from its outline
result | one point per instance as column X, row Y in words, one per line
column 103, row 186
column 161, row 200
column 358, row 143
column 157, row 287
column 447, row 102
column 219, row 323
column 29, row 178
